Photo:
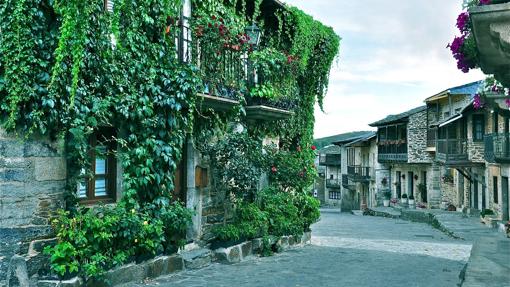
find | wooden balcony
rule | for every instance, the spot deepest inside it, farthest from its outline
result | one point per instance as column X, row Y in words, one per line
column 392, row 151
column 359, row 173
column 497, row 148
column 333, row 183
column 330, row 159
column 452, row 151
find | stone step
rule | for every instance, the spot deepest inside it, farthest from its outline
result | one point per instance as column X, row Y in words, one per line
column 197, row 258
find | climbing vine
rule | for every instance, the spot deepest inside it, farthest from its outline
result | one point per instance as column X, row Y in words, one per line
column 68, row 68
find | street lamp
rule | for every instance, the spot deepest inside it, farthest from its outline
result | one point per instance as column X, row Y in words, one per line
column 254, row 33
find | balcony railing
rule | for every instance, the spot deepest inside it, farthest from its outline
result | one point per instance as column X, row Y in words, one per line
column 359, row 173
column 452, row 150
column 497, row 148
column 333, row 183
column 330, row 159
column 392, row 151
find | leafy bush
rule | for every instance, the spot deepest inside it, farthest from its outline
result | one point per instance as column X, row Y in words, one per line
column 249, row 222
column 92, row 241
column 283, row 214
column 404, row 195
column 308, row 207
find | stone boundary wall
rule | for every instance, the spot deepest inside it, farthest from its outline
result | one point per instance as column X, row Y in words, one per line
column 32, row 183
column 187, row 260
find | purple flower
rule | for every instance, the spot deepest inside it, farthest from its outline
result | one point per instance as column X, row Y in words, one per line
column 477, row 102
column 507, row 102
column 485, row 2
column 456, row 45
column 462, row 21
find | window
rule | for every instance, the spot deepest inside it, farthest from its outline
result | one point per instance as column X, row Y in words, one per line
column 331, row 176
column 495, row 188
column 100, row 184
column 350, row 156
column 478, row 128
column 334, row 195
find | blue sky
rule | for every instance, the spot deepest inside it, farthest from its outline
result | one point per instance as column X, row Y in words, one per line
column 392, row 56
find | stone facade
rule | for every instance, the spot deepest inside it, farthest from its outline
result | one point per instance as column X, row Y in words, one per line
column 417, row 139
column 32, row 182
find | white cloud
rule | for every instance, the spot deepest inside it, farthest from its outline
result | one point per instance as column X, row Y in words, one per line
column 392, row 57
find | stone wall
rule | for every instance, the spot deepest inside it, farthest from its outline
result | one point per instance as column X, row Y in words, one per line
column 417, row 139
column 32, row 182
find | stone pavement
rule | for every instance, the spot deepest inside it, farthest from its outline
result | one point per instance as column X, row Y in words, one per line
column 346, row 250
column 489, row 263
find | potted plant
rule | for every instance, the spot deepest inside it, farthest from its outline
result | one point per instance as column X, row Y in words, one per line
column 485, row 216
column 386, row 199
column 403, row 199
column 507, row 229
column 411, row 199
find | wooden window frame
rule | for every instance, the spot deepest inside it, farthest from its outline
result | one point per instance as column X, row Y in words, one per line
column 111, row 169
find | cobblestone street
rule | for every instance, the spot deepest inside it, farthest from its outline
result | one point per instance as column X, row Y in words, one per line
column 346, row 250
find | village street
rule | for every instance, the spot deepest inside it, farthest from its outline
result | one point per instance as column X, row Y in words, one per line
column 346, row 250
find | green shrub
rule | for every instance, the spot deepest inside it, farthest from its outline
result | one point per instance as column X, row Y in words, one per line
column 308, row 207
column 249, row 222
column 91, row 241
column 283, row 214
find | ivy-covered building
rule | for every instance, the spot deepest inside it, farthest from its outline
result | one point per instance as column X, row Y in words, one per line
column 152, row 124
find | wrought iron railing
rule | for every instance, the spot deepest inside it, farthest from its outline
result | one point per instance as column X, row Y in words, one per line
column 451, row 150
column 497, row 147
column 226, row 73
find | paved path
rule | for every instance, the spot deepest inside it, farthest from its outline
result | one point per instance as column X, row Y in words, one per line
column 489, row 263
column 346, row 250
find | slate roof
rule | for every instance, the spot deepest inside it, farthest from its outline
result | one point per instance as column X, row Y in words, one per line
column 322, row 142
column 363, row 139
column 466, row 89
column 398, row 117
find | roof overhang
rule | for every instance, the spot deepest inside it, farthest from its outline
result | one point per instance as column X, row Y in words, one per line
column 450, row 120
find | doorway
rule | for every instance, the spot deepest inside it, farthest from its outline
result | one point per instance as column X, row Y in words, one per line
column 475, row 194
column 410, row 184
column 424, row 190
column 398, row 187
column 505, row 198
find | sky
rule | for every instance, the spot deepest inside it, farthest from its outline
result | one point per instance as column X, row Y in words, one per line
column 393, row 55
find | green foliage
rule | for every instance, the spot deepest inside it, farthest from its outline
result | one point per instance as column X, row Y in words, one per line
column 238, row 161
column 283, row 214
column 91, row 241
column 292, row 170
column 249, row 222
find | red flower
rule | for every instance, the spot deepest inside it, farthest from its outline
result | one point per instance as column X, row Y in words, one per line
column 209, row 25
column 213, row 17
column 302, row 174
column 313, row 147
column 273, row 169
column 298, row 149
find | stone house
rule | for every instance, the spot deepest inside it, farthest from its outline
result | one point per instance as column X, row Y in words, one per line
column 497, row 156
column 456, row 139
column 408, row 168
column 352, row 186
column 329, row 182
column 362, row 165
column 33, row 177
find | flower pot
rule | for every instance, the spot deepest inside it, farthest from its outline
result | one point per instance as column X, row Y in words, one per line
column 411, row 201
column 386, row 202
column 403, row 200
